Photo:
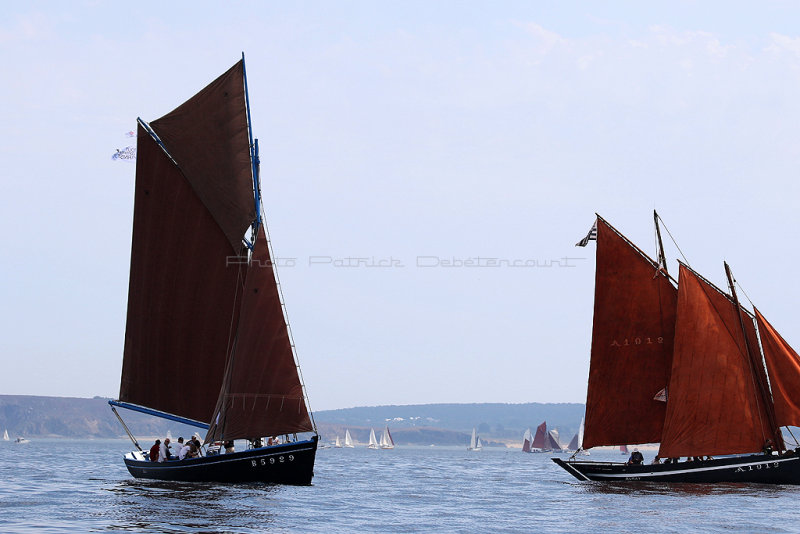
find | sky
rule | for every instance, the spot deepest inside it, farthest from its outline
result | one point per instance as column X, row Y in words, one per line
column 427, row 168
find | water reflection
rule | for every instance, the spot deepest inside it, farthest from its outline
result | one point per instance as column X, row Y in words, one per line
column 166, row 506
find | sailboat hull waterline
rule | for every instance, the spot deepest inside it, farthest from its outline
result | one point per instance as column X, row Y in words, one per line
column 292, row 463
column 757, row 468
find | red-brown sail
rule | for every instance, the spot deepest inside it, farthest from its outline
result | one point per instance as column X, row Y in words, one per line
column 208, row 138
column 262, row 395
column 180, row 292
column 539, row 439
column 783, row 364
column 632, row 336
column 713, row 406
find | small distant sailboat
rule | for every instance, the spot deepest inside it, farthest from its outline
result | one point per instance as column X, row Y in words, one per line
column 623, row 449
column 348, row 440
column 373, row 443
column 338, row 443
column 5, row 435
column 538, row 444
column 553, row 442
column 475, row 441
column 527, row 439
column 386, row 439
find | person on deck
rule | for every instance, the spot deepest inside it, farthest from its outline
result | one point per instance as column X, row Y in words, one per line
column 154, row 451
column 636, row 458
column 164, row 454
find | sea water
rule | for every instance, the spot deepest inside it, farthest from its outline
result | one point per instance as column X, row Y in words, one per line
column 83, row 486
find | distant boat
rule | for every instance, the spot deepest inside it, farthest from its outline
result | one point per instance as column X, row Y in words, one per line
column 475, row 441
column 21, row 440
column 623, row 449
column 338, row 443
column 539, row 440
column 5, row 435
column 527, row 439
column 373, row 443
column 553, row 442
column 386, row 439
column 348, row 441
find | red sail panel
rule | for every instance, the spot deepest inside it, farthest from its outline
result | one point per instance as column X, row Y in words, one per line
column 208, row 137
column 539, row 438
column 783, row 365
column 632, row 336
column 180, row 296
column 713, row 406
column 263, row 395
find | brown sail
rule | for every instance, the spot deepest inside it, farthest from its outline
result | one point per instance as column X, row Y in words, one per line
column 208, row 138
column 632, row 336
column 180, row 292
column 262, row 395
column 714, row 406
column 783, row 365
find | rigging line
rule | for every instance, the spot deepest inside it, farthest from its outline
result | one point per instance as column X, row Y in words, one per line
column 745, row 293
column 674, row 242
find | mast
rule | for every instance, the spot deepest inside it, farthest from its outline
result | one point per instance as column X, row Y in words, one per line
column 662, row 259
column 765, row 398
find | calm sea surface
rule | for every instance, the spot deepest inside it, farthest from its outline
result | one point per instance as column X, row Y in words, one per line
column 83, row 486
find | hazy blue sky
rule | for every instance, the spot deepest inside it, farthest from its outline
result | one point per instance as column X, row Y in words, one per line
column 411, row 133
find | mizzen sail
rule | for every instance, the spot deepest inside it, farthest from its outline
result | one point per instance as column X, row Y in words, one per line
column 783, row 365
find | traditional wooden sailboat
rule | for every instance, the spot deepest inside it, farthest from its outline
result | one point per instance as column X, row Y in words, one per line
column 539, row 443
column 386, row 439
column 681, row 366
column 207, row 342
column 552, row 441
column 527, row 439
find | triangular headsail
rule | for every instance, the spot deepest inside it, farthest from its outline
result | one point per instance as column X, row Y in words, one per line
column 632, row 336
column 783, row 364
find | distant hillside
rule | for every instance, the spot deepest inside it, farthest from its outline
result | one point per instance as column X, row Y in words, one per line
column 422, row 424
column 493, row 420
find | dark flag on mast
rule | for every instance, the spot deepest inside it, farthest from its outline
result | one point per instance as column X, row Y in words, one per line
column 591, row 236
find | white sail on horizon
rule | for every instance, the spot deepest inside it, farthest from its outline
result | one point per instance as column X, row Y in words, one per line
column 474, row 441
column 386, row 439
column 348, row 440
column 373, row 443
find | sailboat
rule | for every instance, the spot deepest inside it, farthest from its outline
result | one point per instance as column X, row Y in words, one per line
column 623, row 449
column 685, row 365
column 539, row 443
column 338, row 443
column 386, row 439
column 527, row 439
column 5, row 435
column 348, row 441
column 207, row 342
column 373, row 443
column 474, row 441
column 552, row 441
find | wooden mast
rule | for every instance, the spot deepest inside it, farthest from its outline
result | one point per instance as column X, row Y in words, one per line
column 769, row 408
column 662, row 259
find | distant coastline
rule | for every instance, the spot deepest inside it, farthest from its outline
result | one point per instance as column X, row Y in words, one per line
column 500, row 425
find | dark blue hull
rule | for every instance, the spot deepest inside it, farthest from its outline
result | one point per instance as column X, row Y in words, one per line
column 756, row 468
column 292, row 463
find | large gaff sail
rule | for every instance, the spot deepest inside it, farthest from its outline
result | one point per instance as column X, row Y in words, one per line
column 189, row 217
column 783, row 365
column 632, row 337
column 262, row 394
column 714, row 407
